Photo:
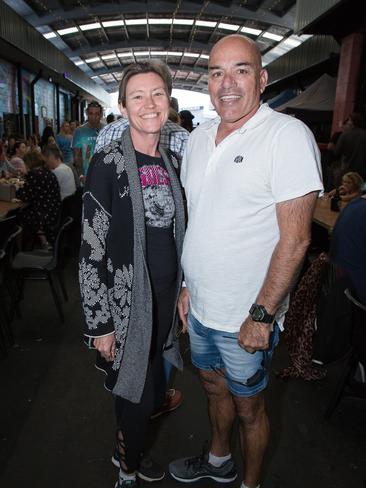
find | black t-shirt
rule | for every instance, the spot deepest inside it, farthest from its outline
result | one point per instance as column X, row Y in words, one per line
column 159, row 218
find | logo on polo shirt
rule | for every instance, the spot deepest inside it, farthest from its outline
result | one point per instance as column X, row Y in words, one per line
column 238, row 159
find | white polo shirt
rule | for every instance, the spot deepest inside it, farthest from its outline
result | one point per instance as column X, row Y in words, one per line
column 232, row 190
column 66, row 180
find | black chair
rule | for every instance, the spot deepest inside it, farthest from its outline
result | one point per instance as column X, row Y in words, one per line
column 9, row 285
column 46, row 265
column 355, row 357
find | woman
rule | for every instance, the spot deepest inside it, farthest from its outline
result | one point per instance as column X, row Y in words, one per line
column 129, row 271
column 350, row 188
column 64, row 140
column 48, row 137
column 41, row 191
column 17, row 160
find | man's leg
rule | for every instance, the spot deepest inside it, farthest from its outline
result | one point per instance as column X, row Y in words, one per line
column 221, row 410
column 254, row 435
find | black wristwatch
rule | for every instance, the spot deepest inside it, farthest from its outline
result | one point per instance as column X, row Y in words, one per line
column 260, row 314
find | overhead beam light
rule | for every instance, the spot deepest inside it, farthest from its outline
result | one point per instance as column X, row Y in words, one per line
column 159, row 53
column 93, row 60
column 69, row 30
column 272, row 36
column 183, row 21
column 113, row 23
column 192, row 55
column 136, row 22
column 50, row 35
column 250, row 30
column 230, row 27
column 108, row 56
column 175, row 53
column 142, row 53
column 160, row 21
column 124, row 55
column 86, row 27
column 206, row 23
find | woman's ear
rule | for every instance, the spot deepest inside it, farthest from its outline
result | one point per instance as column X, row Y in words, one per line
column 122, row 109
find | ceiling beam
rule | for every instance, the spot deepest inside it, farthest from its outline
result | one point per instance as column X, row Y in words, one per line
column 173, row 66
column 187, row 8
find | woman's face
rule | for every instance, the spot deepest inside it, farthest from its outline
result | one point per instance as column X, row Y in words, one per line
column 22, row 150
column 347, row 184
column 147, row 103
column 66, row 127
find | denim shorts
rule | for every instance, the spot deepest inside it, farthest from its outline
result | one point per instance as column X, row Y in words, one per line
column 213, row 350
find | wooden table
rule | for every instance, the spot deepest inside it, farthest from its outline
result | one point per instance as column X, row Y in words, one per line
column 5, row 207
column 323, row 215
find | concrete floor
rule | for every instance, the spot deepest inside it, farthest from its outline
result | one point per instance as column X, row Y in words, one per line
column 57, row 421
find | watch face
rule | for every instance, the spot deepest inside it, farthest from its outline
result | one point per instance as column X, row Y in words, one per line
column 257, row 314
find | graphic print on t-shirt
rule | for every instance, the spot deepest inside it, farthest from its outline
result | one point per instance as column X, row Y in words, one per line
column 158, row 198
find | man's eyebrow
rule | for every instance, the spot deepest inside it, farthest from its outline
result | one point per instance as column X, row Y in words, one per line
column 241, row 63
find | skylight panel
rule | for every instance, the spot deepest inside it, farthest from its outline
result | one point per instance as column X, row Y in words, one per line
column 206, row 23
column 124, row 55
column 69, row 30
column 113, row 23
column 273, row 37
column 160, row 21
column 250, row 30
column 93, row 60
column 230, row 27
column 136, row 22
column 142, row 53
column 78, row 63
column 86, row 27
column 108, row 56
column 183, row 21
column 192, row 55
column 50, row 35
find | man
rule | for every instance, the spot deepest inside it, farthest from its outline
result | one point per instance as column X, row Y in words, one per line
column 351, row 146
column 172, row 136
column 251, row 178
column 83, row 142
column 63, row 173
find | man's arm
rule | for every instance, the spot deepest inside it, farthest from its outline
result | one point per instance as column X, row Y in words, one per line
column 294, row 220
column 78, row 160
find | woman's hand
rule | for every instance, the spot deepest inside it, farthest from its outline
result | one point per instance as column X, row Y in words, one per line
column 183, row 308
column 106, row 345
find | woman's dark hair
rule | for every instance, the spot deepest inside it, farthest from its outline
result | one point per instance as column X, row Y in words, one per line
column 161, row 69
column 17, row 145
column 47, row 133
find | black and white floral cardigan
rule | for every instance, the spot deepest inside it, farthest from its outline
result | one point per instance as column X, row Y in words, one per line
column 114, row 281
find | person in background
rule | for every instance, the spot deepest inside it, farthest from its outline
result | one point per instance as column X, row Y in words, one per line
column 32, row 143
column 130, row 275
column 174, row 116
column 350, row 188
column 6, row 168
column 110, row 118
column 63, row 141
column 20, row 149
column 64, row 173
column 41, row 191
column 48, row 136
column 73, row 126
column 186, row 118
column 351, row 145
column 10, row 146
column 84, row 139
column 251, row 177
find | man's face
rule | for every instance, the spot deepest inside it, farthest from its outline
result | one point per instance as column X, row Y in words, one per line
column 52, row 162
column 94, row 116
column 22, row 150
column 236, row 80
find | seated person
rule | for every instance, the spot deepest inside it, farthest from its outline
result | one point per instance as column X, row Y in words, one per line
column 41, row 191
column 17, row 159
column 351, row 187
column 348, row 246
column 64, row 174
column 6, row 168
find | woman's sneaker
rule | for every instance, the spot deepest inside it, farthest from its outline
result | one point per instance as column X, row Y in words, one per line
column 148, row 470
column 193, row 469
column 126, row 484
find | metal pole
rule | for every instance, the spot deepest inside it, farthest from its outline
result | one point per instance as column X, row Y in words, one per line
column 33, row 101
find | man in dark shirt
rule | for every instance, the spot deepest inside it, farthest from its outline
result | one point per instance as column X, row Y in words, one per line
column 348, row 246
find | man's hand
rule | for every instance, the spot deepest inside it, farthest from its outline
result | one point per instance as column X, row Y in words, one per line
column 183, row 308
column 254, row 336
column 106, row 345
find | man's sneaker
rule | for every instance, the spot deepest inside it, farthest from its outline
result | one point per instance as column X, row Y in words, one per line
column 126, row 484
column 196, row 468
column 173, row 399
column 148, row 470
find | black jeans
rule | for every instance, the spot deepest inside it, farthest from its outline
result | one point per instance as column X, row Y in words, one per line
column 133, row 418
